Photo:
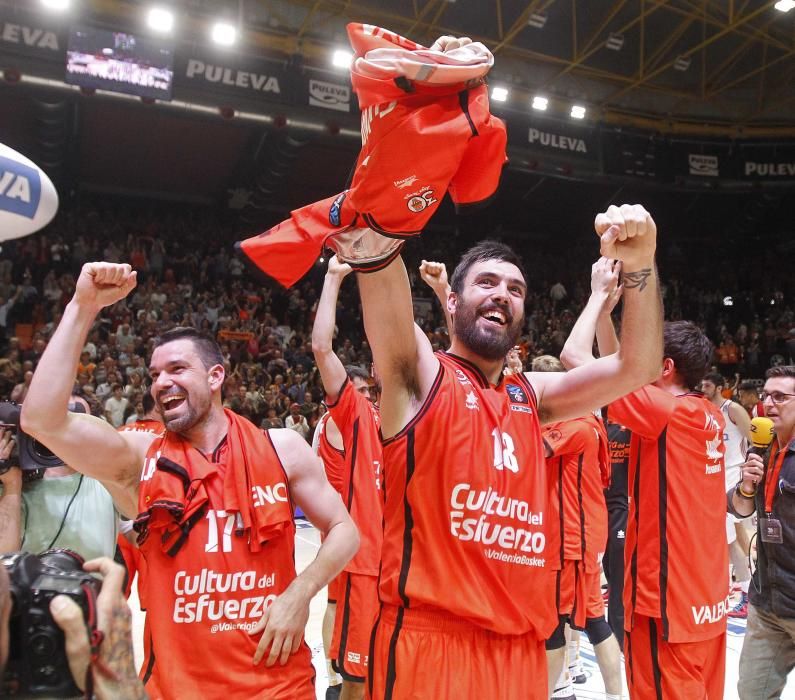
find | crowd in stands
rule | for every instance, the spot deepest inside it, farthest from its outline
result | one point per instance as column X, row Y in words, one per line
column 189, row 275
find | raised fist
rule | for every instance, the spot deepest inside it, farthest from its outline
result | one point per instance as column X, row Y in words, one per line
column 335, row 267
column 448, row 43
column 434, row 274
column 627, row 233
column 102, row 284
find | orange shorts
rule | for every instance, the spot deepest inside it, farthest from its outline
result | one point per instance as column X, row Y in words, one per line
column 422, row 654
column 357, row 610
column 334, row 589
column 659, row 669
column 579, row 593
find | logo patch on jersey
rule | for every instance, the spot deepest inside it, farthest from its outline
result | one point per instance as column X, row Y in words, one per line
column 516, row 393
column 423, row 199
column 461, row 377
column 521, row 409
column 554, row 435
column 620, row 535
column 334, row 216
column 405, row 182
column 472, row 401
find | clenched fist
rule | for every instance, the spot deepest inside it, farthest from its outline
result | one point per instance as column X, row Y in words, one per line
column 102, row 284
column 627, row 233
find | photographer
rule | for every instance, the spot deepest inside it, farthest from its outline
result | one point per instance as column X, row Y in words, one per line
column 54, row 507
column 768, row 653
column 113, row 672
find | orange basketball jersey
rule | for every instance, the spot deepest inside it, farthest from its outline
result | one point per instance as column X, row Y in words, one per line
column 466, row 505
column 359, row 422
column 675, row 568
column 332, row 458
column 204, row 599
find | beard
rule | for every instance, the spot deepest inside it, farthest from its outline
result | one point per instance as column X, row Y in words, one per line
column 190, row 415
column 490, row 345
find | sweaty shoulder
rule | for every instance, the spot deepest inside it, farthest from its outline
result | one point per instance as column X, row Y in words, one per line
column 139, row 442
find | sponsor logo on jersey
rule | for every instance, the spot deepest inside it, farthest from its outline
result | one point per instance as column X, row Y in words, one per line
column 150, row 464
column 704, row 614
column 461, row 377
column 20, row 188
column 472, row 401
column 262, row 495
column 507, row 526
column 355, row 657
column 516, row 393
column 334, row 215
column 405, row 182
column 553, row 435
column 521, row 409
column 421, row 201
column 205, row 597
column 620, row 535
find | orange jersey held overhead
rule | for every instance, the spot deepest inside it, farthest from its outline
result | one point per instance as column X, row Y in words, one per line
column 466, row 524
column 675, row 572
column 203, row 600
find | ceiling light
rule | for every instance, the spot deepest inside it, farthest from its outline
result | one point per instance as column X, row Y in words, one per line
column 160, row 19
column 56, row 4
column 537, row 20
column 577, row 112
column 341, row 58
column 784, row 5
column 682, row 63
column 540, row 103
column 615, row 42
column 224, row 33
column 500, row 94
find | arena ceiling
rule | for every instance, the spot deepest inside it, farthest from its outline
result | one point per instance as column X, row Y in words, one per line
column 699, row 61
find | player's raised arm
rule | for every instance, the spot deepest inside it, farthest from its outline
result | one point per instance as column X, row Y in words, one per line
column 86, row 443
column 402, row 354
column 629, row 234
column 332, row 371
column 434, row 274
column 595, row 318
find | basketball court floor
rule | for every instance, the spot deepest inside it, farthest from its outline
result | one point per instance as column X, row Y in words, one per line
column 307, row 543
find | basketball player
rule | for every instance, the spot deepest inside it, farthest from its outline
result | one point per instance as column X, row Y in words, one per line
column 736, row 439
column 675, row 592
column 356, row 421
column 214, row 498
column 578, row 462
column 466, row 588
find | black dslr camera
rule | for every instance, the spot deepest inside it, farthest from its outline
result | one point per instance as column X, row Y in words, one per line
column 37, row 663
column 30, row 454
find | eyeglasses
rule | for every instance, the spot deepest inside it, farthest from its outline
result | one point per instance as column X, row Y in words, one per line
column 776, row 397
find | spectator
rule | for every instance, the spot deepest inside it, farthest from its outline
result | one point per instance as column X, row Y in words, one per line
column 116, row 406
column 295, row 421
column 20, row 390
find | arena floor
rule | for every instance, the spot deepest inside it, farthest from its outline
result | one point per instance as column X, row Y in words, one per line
column 307, row 542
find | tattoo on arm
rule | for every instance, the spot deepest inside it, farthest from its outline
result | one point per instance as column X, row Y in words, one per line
column 636, row 280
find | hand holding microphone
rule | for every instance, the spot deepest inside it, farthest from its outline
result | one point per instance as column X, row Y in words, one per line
column 762, row 435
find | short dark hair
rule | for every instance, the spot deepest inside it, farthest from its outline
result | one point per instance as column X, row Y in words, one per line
column 690, row 350
column 147, row 401
column 356, row 372
column 207, row 349
column 715, row 377
column 781, row 371
column 485, row 250
column 747, row 385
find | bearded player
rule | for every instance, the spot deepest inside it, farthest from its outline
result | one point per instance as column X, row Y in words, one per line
column 466, row 588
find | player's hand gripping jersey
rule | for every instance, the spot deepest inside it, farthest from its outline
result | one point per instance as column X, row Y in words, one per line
column 426, row 130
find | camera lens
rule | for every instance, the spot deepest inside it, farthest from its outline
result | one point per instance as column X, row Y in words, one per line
column 42, row 451
column 42, row 644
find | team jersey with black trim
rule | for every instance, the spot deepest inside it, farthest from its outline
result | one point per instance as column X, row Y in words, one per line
column 466, row 505
column 202, row 602
column 675, row 564
column 359, row 423
column 332, row 458
column 579, row 468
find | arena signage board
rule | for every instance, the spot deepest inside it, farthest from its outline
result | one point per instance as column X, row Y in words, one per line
column 548, row 137
column 770, row 162
column 32, row 35
column 329, row 95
